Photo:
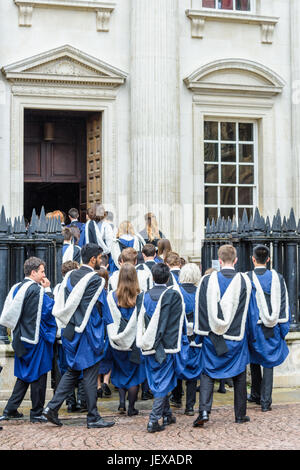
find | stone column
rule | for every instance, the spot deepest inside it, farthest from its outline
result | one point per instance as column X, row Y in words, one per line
column 295, row 83
column 155, row 111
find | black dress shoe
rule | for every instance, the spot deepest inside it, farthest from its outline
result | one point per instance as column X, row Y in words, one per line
column 106, row 390
column 132, row 412
column 175, row 403
column 73, row 409
column 38, row 419
column 189, row 412
column 202, row 418
column 221, row 390
column 155, row 426
column 122, row 408
column 12, row 415
column 52, row 416
column 100, row 423
column 147, row 396
column 266, row 408
column 167, row 420
column 99, row 392
column 252, row 399
column 244, row 419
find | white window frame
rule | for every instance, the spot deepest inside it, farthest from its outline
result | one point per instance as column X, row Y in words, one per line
column 237, row 164
column 234, row 10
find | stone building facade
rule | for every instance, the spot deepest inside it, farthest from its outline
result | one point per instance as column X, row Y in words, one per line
column 190, row 108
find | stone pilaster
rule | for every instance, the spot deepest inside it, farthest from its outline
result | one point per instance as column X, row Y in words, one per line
column 155, row 109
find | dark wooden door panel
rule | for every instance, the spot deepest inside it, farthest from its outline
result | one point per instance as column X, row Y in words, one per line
column 33, row 168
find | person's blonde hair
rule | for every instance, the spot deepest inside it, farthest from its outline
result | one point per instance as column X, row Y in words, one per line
column 152, row 226
column 128, row 286
column 190, row 273
column 125, row 227
column 227, row 253
column 163, row 247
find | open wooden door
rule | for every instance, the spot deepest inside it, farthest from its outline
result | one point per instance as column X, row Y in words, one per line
column 94, row 159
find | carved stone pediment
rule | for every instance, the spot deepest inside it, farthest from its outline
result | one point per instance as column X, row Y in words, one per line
column 235, row 77
column 65, row 65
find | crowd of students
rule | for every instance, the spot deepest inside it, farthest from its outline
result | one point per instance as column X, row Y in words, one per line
column 132, row 313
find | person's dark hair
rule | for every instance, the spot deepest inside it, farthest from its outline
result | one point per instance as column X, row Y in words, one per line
column 89, row 250
column 160, row 273
column 149, row 250
column 67, row 234
column 68, row 266
column 104, row 259
column 73, row 213
column 261, row 253
column 102, row 272
column 32, row 264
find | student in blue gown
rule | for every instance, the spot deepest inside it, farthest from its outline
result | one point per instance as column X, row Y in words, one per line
column 91, row 232
column 81, row 309
column 70, row 251
column 126, row 237
column 160, row 329
column 221, row 317
column 128, row 370
column 163, row 248
column 130, row 255
column 189, row 279
column 270, row 315
column 73, row 215
column 151, row 233
column 28, row 312
column 173, row 261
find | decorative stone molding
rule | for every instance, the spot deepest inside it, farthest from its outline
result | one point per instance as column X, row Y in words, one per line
column 65, row 66
column 235, row 77
column 103, row 10
column 199, row 17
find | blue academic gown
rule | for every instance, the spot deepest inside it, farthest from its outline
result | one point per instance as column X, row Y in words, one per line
column 126, row 374
column 193, row 364
column 76, row 254
column 124, row 244
column 86, row 348
column 162, row 378
column 269, row 352
column 235, row 360
column 38, row 359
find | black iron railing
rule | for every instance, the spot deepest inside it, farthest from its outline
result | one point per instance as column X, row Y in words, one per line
column 41, row 238
column 282, row 236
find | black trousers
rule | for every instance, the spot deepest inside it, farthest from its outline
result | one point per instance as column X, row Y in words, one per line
column 262, row 384
column 37, row 396
column 240, row 394
column 67, row 384
column 191, row 390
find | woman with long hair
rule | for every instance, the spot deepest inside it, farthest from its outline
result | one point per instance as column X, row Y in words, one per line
column 151, row 232
column 128, row 370
column 126, row 237
column 163, row 249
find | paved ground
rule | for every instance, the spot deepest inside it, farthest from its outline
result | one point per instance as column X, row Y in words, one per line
column 278, row 429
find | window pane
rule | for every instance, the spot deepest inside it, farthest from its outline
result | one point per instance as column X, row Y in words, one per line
column 246, row 132
column 208, row 3
column 248, row 210
column 245, row 196
column 211, row 212
column 228, row 153
column 211, row 195
column 243, row 5
column 227, row 196
column 229, row 174
column 210, row 152
column 246, row 153
column 225, row 4
column 227, row 212
column 211, row 174
column 210, row 130
column 246, row 174
column 228, row 131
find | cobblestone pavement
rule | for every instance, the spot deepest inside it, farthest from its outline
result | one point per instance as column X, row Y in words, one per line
column 278, row 429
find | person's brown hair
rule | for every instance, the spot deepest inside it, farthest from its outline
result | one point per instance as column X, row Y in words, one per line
column 67, row 233
column 102, row 272
column 68, row 266
column 33, row 264
column 128, row 286
column 173, row 259
column 149, row 250
column 227, row 253
column 163, row 247
column 129, row 255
